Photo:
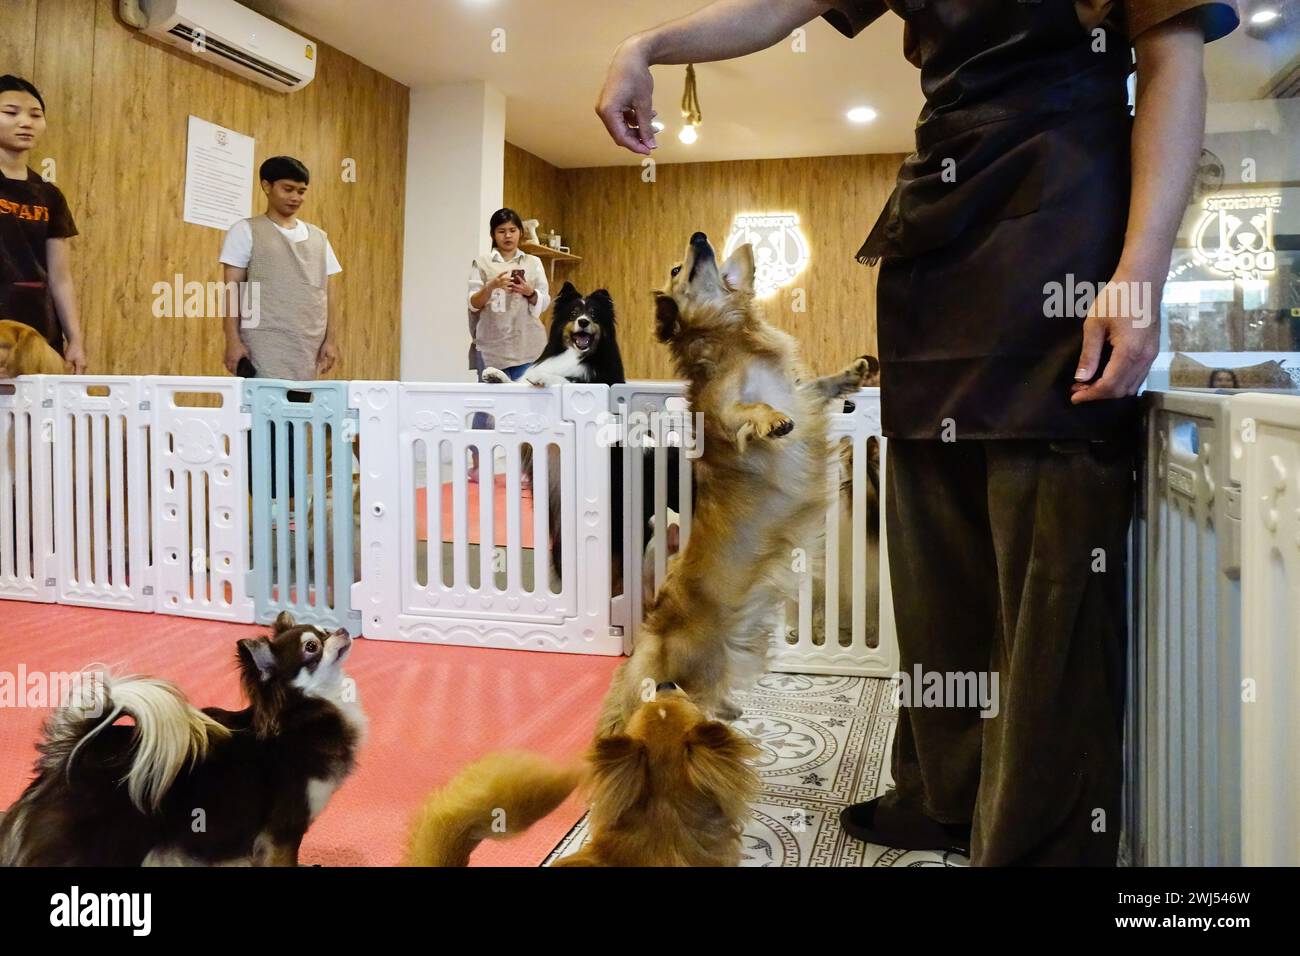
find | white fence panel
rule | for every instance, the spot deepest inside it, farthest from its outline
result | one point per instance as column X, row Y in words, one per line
column 1213, row 768
column 102, row 482
column 857, row 617
column 27, row 564
column 200, row 500
column 445, row 470
column 1184, row 714
column 1266, row 461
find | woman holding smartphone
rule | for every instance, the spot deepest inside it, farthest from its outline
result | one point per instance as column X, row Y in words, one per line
column 508, row 293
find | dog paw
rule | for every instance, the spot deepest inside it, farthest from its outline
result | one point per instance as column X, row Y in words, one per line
column 865, row 371
column 729, row 710
column 762, row 422
column 861, row 371
column 782, row 426
column 772, row 424
column 494, row 376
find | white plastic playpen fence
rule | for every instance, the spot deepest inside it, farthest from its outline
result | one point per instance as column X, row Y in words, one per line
column 27, row 569
column 419, row 444
column 1213, row 764
column 134, row 493
column 161, row 508
column 818, row 636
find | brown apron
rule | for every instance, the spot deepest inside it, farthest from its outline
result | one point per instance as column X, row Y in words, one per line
column 1020, row 180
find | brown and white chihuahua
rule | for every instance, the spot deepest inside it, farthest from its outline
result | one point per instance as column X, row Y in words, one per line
column 110, row 794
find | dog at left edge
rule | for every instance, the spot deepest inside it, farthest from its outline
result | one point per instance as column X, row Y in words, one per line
column 108, row 793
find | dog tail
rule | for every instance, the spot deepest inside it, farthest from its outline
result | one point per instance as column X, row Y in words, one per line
column 169, row 731
column 498, row 797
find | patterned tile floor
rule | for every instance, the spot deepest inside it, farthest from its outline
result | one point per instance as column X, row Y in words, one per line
column 825, row 743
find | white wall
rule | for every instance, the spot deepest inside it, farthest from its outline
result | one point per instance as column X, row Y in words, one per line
column 455, row 170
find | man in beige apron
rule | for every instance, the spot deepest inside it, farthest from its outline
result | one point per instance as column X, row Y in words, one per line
column 279, row 319
column 282, row 266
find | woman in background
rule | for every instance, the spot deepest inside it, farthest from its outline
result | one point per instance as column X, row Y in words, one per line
column 508, row 293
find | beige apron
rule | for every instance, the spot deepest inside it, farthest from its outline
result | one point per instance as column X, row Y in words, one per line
column 505, row 332
column 290, row 284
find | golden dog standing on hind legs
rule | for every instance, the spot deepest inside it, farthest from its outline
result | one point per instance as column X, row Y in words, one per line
column 761, row 482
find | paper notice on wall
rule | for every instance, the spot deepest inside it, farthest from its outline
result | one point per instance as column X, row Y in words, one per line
column 218, row 175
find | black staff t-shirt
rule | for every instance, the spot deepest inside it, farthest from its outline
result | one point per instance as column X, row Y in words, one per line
column 31, row 212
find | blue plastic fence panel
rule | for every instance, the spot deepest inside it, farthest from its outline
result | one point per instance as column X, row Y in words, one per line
column 304, row 531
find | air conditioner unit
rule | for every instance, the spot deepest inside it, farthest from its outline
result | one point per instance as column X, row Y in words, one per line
column 234, row 37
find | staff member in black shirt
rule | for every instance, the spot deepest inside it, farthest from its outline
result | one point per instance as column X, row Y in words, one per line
column 1011, row 420
column 35, row 226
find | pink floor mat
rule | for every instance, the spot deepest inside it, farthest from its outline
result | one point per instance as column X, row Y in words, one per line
column 499, row 513
column 431, row 709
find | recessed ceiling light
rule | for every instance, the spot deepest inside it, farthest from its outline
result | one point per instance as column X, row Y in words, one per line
column 861, row 114
column 1265, row 15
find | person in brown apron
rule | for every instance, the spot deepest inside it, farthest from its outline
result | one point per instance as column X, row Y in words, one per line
column 1009, row 410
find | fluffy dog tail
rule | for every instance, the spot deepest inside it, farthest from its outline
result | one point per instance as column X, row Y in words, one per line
column 169, row 731
column 498, row 797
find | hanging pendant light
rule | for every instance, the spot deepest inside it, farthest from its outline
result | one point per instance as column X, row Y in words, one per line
column 690, row 109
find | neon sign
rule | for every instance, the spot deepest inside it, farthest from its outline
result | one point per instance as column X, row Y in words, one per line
column 780, row 249
column 1235, row 236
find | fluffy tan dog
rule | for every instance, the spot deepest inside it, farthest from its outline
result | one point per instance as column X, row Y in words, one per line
column 673, row 790
column 24, row 351
column 761, row 488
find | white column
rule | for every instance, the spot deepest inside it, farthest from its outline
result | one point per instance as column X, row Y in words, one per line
column 455, row 169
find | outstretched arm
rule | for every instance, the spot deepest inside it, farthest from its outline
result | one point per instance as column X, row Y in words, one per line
column 723, row 30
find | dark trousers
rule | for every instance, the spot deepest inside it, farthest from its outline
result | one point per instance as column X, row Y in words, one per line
column 1008, row 557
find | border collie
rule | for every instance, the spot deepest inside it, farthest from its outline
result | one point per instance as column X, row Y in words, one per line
column 583, row 346
column 188, row 787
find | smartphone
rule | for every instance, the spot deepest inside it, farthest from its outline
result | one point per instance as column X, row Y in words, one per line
column 518, row 275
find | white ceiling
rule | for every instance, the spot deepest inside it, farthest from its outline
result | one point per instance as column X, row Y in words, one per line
column 773, row 104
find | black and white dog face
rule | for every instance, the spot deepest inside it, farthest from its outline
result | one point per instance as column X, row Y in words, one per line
column 581, row 323
column 583, row 345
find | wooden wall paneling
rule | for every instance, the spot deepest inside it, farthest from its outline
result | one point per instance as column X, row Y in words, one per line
column 630, row 232
column 18, row 38
column 535, row 189
column 119, row 134
column 64, row 58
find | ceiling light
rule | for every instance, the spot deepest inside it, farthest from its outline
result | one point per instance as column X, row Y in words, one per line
column 690, row 109
column 1266, row 15
column 861, row 114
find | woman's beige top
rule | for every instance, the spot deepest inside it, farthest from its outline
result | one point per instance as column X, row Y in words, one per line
column 508, row 331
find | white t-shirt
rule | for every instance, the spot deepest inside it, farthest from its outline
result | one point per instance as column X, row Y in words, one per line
column 237, row 250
